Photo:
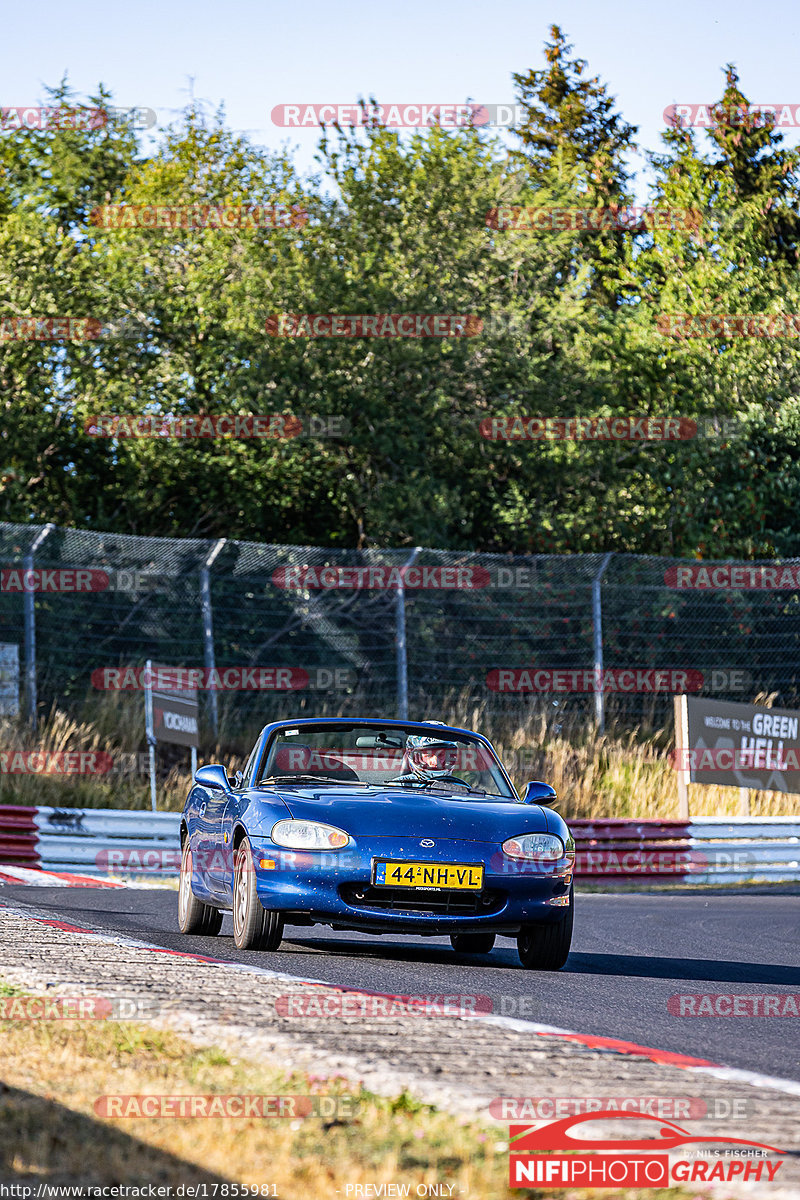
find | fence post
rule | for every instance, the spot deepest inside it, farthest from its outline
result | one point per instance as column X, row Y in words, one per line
column 682, row 754
column 597, row 626
column 149, row 727
column 400, row 641
column 208, row 630
column 29, row 613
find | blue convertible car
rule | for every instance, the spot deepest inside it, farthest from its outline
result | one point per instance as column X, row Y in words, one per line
column 382, row 827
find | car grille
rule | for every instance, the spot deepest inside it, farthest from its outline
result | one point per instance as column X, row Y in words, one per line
column 449, row 901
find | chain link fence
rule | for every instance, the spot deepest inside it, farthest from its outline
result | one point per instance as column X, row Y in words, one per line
column 390, row 632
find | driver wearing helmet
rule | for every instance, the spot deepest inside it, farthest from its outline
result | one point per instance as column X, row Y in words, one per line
column 429, row 760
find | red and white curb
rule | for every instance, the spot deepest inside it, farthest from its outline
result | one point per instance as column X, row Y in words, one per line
column 668, row 1058
column 34, row 877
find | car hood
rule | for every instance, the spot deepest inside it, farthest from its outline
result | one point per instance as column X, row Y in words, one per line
column 413, row 812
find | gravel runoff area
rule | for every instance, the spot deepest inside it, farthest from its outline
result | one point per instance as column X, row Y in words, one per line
column 458, row 1063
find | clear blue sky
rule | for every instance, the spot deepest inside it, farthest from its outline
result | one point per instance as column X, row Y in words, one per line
column 252, row 55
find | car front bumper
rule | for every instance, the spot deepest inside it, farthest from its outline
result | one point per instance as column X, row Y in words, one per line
column 336, row 888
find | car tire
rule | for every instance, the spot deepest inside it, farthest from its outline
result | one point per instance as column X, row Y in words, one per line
column 472, row 943
column 254, row 927
column 546, row 947
column 193, row 915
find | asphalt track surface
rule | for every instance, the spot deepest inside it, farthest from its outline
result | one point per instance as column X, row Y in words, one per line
column 630, row 954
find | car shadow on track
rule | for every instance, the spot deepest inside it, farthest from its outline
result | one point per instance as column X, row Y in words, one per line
column 502, row 957
column 631, row 966
column 700, row 969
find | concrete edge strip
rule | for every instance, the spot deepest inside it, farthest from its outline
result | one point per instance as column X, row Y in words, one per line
column 591, row 1041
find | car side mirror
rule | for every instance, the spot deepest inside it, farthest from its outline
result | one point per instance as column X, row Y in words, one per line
column 213, row 776
column 537, row 792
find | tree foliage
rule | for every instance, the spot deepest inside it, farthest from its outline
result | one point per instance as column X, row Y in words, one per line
column 571, row 328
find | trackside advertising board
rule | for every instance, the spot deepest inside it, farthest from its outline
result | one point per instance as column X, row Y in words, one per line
column 175, row 709
column 742, row 745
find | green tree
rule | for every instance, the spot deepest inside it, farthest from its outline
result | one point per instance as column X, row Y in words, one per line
column 574, row 154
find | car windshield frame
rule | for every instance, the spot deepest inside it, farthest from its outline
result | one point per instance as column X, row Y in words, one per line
column 457, row 789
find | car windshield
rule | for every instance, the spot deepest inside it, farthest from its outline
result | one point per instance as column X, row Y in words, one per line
column 430, row 757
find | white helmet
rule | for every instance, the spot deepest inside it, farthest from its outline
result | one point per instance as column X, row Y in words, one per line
column 430, row 757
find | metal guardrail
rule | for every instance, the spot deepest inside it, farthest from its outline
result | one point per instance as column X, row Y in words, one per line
column 105, row 841
column 764, row 849
column 628, row 848
column 706, row 850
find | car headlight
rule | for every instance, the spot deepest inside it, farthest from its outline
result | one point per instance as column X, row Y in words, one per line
column 309, row 835
column 542, row 847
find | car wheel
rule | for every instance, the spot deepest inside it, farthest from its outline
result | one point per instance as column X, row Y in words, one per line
column 472, row 943
column 254, row 927
column 546, row 947
column 193, row 915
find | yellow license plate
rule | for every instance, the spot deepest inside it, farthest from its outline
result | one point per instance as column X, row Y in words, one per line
column 432, row 876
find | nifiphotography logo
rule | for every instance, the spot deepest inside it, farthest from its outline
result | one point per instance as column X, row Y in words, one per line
column 664, row 1160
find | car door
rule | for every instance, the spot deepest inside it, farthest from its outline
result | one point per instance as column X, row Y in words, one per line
column 221, row 813
column 198, row 822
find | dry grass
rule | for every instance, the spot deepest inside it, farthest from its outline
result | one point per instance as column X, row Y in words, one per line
column 110, row 726
column 625, row 773
column 627, row 776
column 55, row 1070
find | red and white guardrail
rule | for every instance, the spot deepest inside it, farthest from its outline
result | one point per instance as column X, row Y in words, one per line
column 73, row 846
column 93, row 842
